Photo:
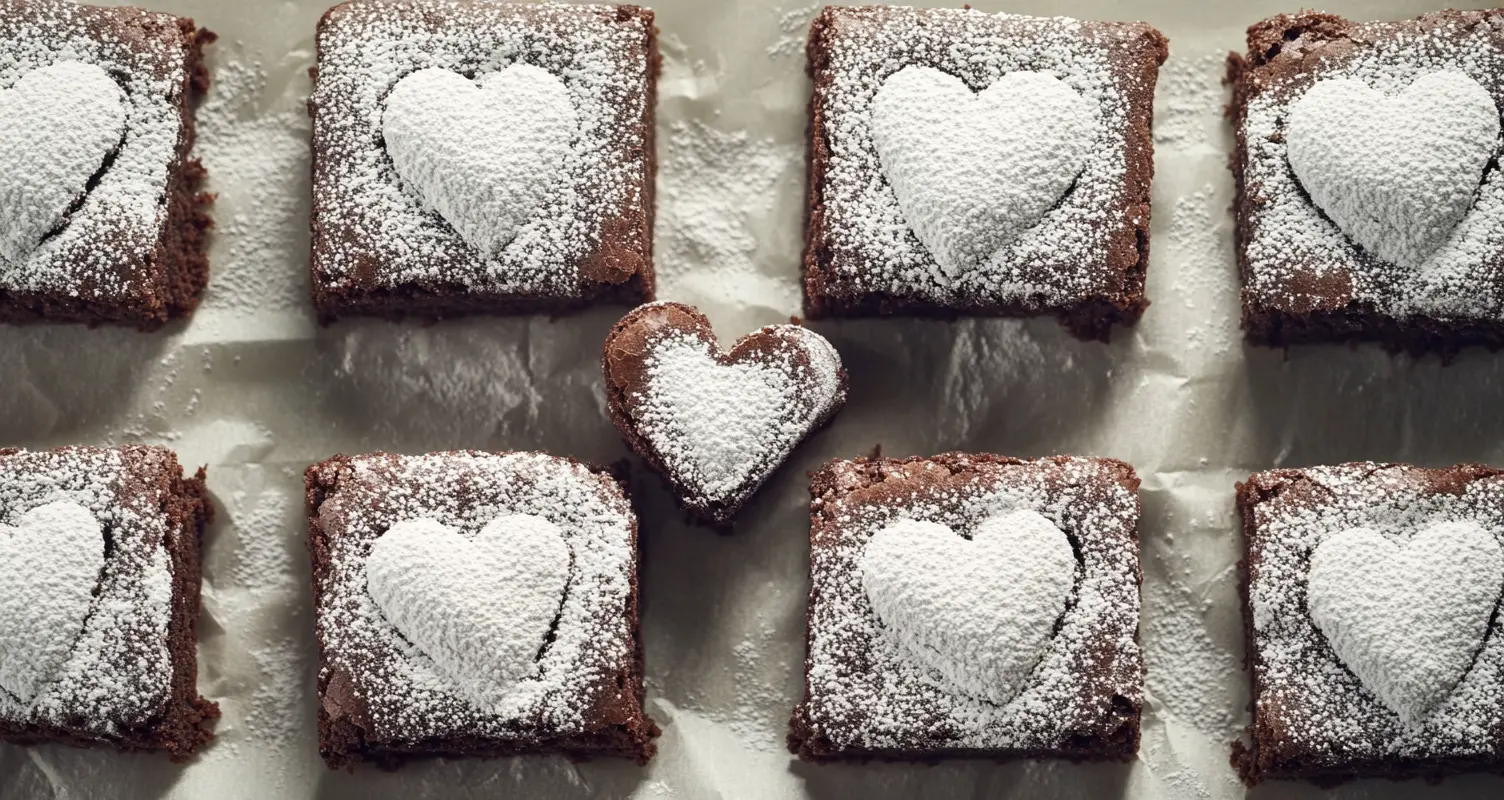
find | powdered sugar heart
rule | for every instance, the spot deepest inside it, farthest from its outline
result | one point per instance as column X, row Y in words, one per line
column 1395, row 173
column 717, row 423
column 484, row 154
column 49, row 568
column 481, row 608
column 721, row 421
column 58, row 123
column 973, row 170
column 981, row 611
column 1407, row 619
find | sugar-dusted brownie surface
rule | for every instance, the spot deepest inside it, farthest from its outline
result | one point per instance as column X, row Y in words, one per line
column 130, row 677
column 1304, row 279
column 1084, row 261
column 383, row 700
column 1313, row 717
column 716, row 424
column 865, row 698
column 378, row 249
column 129, row 248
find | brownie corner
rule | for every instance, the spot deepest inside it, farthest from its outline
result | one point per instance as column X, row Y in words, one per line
column 804, row 742
column 1152, row 42
column 1267, row 39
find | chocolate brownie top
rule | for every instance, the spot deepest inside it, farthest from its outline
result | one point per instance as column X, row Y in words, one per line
column 104, row 248
column 373, row 232
column 1294, row 258
column 1080, row 248
column 717, row 424
column 863, row 694
column 1311, row 707
column 377, row 680
column 118, row 672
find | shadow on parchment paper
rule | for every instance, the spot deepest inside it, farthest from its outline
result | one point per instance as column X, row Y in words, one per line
column 955, row 780
column 551, row 777
column 1461, row 787
column 497, row 383
column 60, row 378
column 1015, row 387
column 54, row 770
column 723, row 613
column 1331, row 404
column 258, row 654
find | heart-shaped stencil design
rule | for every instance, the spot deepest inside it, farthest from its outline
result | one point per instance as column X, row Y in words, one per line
column 981, row 611
column 1395, row 173
column 49, row 568
column 58, row 124
column 484, row 154
column 1407, row 619
column 717, row 423
column 481, row 608
column 971, row 171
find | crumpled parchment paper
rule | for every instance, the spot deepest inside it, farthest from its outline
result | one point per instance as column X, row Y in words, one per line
column 255, row 390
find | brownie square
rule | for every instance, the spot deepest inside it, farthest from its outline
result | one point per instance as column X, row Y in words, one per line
column 383, row 244
column 101, row 215
column 99, row 563
column 869, row 693
column 386, row 698
column 1082, row 260
column 1319, row 539
column 1410, row 252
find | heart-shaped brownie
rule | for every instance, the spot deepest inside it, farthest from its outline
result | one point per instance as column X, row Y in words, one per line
column 58, row 123
column 50, row 565
column 971, row 171
column 979, row 611
column 484, row 154
column 481, row 608
column 1395, row 173
column 1408, row 619
column 716, row 424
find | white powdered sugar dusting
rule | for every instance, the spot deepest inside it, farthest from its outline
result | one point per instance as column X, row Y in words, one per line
column 481, row 608
column 254, row 142
column 407, row 696
column 104, row 245
column 971, row 171
column 118, row 671
column 1292, row 244
column 1407, row 620
column 1395, row 173
column 717, row 195
column 793, row 27
column 979, row 611
column 722, row 426
column 1190, row 99
column 365, row 215
column 59, row 123
column 484, row 154
column 1414, row 538
column 49, row 567
column 1056, row 260
column 866, row 693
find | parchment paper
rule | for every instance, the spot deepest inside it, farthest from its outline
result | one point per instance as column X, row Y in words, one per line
column 253, row 388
